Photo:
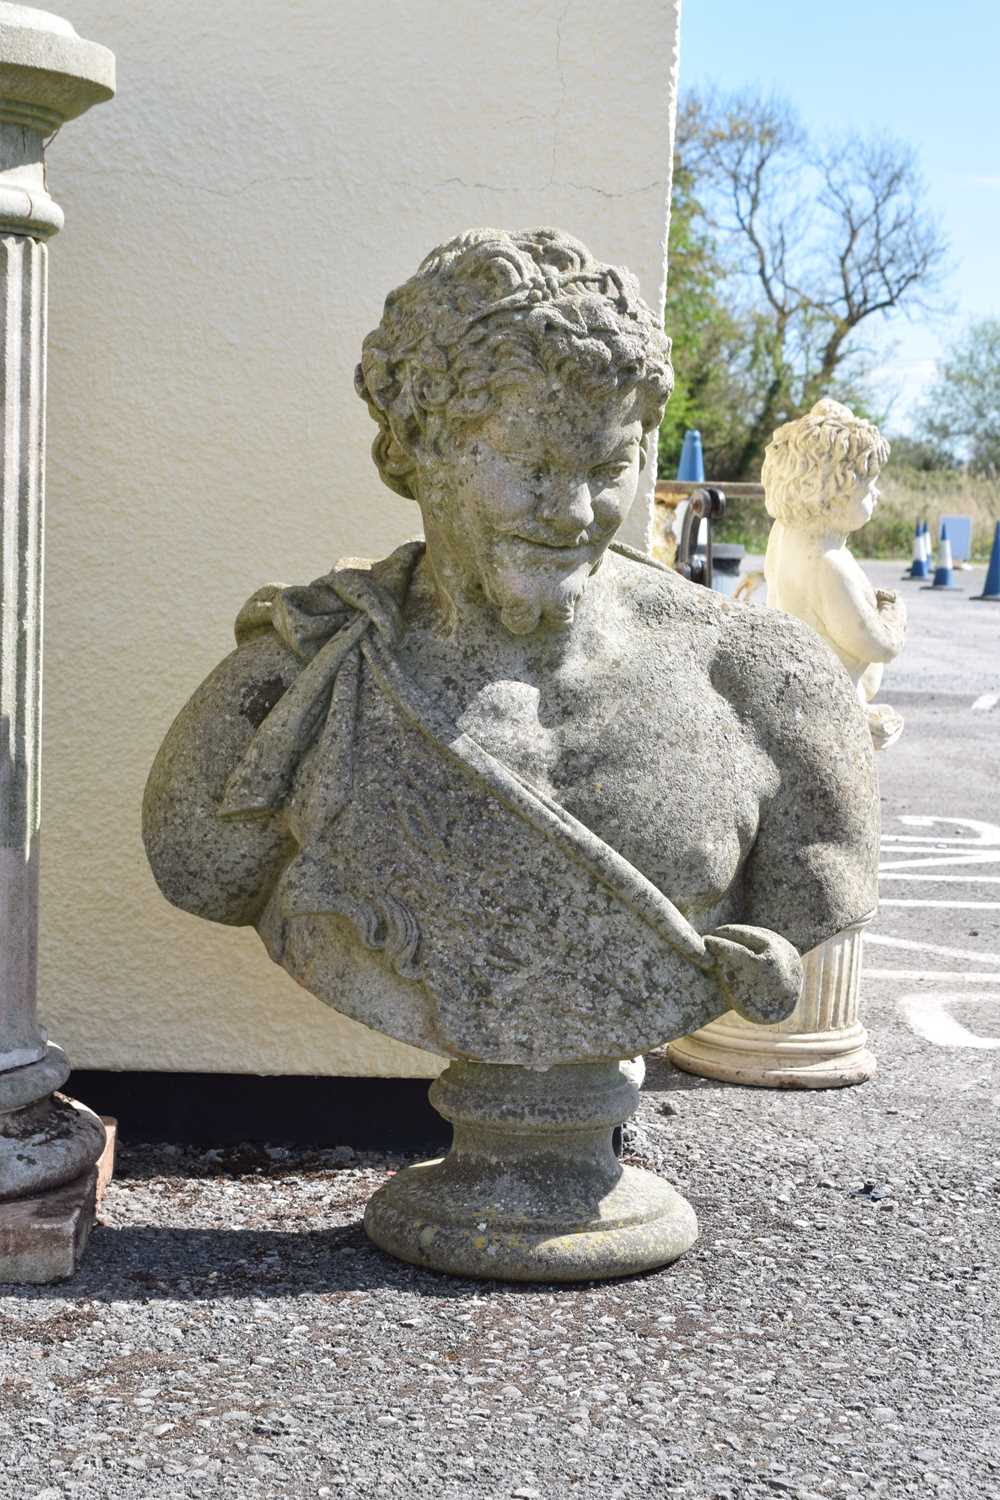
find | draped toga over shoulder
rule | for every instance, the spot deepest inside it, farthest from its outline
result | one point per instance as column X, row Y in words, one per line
column 433, row 892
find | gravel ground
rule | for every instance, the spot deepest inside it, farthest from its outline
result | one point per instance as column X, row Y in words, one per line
column 833, row 1333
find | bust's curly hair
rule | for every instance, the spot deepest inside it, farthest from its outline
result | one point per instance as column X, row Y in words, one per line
column 487, row 309
column 810, row 461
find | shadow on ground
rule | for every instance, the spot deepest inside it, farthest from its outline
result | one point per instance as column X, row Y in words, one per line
column 211, row 1265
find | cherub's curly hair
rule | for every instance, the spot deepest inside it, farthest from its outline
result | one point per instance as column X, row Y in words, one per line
column 828, row 444
column 485, row 310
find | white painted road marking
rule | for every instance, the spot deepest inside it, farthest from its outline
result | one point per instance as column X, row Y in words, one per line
column 986, row 833
column 981, row 857
column 926, row 1015
column 951, row 905
column 914, row 947
column 928, row 841
column 924, row 1009
column 923, row 851
column 933, row 976
column 986, row 701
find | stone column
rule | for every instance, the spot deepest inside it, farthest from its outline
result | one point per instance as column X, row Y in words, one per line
column 821, row 1045
column 48, row 75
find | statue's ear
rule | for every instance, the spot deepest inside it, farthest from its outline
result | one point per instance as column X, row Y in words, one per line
column 393, row 461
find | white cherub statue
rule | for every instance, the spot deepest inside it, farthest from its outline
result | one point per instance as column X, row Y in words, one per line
column 819, row 479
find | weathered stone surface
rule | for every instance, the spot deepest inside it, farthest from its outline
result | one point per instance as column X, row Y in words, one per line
column 531, row 1189
column 47, row 1144
column 517, row 794
column 48, row 75
column 42, row 1238
column 35, row 1080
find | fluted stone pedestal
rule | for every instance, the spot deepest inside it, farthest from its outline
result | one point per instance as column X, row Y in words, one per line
column 48, row 75
column 821, row 1045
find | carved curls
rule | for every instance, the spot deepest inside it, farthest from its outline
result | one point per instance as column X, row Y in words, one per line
column 487, row 308
column 810, row 461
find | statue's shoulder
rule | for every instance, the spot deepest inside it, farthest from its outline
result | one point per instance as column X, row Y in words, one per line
column 244, row 686
column 787, row 680
column 769, row 665
column 772, row 639
column 281, row 627
column 658, row 597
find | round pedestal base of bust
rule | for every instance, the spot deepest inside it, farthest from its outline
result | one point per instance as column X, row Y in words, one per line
column 424, row 1216
column 47, row 1144
column 805, row 1060
column 531, row 1189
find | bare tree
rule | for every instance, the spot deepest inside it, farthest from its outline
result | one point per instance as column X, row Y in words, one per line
column 819, row 239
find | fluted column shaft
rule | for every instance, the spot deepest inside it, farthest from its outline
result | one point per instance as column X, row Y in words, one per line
column 822, row 1044
column 22, row 487
column 48, row 75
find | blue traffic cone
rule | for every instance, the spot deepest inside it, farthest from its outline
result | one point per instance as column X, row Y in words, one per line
column 944, row 577
column 928, row 550
column 991, row 588
column 918, row 567
column 691, row 468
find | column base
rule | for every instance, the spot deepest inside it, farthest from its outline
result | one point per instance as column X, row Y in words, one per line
column 42, row 1238
column 33, row 1080
column 806, row 1060
column 531, row 1189
column 821, row 1045
column 47, row 1144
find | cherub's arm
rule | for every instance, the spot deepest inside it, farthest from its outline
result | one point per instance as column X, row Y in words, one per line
column 868, row 625
column 219, row 868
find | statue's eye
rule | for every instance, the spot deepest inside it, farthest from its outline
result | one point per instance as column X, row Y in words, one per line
column 609, row 472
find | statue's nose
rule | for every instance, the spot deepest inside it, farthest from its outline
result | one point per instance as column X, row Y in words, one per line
column 566, row 508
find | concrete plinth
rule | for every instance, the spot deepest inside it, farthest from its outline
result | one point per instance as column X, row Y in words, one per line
column 43, row 1237
column 821, row 1045
column 531, row 1189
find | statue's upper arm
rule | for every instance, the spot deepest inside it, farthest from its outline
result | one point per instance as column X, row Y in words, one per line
column 222, row 716
column 813, row 868
column 850, row 614
column 219, row 868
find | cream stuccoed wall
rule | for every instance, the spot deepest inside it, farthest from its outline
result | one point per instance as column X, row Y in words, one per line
column 234, row 219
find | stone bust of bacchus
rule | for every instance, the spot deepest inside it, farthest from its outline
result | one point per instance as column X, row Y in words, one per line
column 515, row 793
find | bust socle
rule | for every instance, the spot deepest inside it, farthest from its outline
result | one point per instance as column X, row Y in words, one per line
column 820, row 483
column 516, row 794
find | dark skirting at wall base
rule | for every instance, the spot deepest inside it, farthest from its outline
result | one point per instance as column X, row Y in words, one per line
column 223, row 1109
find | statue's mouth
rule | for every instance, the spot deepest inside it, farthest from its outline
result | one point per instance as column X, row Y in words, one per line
column 549, row 545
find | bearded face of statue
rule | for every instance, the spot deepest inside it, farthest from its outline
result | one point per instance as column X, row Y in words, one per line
column 520, row 508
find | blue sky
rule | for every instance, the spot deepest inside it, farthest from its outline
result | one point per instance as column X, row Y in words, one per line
column 926, row 72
